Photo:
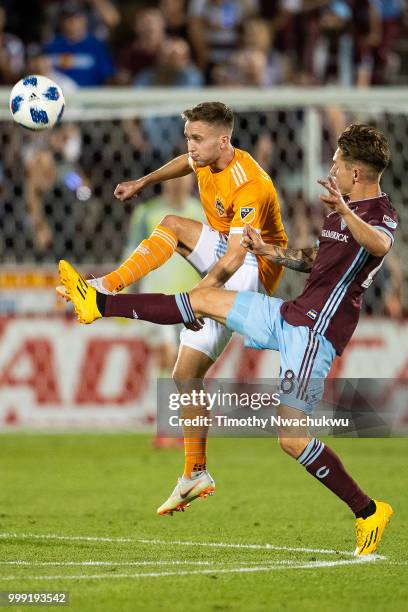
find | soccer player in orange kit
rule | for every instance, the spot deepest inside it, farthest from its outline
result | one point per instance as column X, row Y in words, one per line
column 234, row 190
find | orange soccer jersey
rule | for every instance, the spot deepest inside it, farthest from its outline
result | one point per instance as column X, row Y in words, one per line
column 244, row 193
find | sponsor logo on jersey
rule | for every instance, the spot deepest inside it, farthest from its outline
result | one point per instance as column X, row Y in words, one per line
column 390, row 222
column 312, row 314
column 334, row 235
column 247, row 213
column 219, row 207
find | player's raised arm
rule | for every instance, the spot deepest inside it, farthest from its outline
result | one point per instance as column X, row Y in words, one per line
column 300, row 260
column 375, row 241
column 177, row 167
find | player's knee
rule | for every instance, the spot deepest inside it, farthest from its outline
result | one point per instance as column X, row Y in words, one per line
column 177, row 376
column 172, row 222
column 184, row 380
column 188, row 374
column 292, row 446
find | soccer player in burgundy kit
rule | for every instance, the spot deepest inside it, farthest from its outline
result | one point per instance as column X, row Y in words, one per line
column 308, row 331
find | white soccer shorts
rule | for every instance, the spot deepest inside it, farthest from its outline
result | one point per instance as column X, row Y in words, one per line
column 211, row 246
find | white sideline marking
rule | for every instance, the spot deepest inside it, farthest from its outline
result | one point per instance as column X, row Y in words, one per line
column 266, row 566
column 216, row 570
column 322, row 551
column 51, row 536
column 24, row 563
column 103, row 563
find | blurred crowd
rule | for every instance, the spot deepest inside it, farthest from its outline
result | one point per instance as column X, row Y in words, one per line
column 70, row 172
column 188, row 43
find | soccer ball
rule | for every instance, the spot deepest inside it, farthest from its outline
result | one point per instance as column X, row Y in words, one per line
column 36, row 102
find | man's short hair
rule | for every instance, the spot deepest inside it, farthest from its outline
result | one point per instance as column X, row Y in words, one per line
column 365, row 144
column 211, row 112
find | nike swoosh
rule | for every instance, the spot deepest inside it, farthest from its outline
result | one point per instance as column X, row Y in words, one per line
column 184, row 495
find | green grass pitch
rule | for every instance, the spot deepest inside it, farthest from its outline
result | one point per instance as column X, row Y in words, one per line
column 77, row 514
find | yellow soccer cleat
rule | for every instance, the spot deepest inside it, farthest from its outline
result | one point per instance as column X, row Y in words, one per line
column 370, row 530
column 81, row 294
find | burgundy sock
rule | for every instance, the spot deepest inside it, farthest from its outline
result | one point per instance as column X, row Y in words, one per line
column 154, row 307
column 324, row 464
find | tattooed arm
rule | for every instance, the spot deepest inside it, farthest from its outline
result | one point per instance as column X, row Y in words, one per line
column 300, row 260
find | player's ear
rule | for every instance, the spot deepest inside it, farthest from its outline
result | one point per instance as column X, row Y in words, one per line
column 224, row 141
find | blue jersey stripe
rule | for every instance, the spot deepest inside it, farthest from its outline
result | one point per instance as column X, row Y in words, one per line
column 342, row 293
column 335, row 303
column 333, row 296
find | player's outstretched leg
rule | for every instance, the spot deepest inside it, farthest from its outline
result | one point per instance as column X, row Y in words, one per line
column 90, row 304
column 173, row 233
column 149, row 255
column 320, row 461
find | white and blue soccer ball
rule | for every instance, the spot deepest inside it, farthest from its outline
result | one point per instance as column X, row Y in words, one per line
column 37, row 102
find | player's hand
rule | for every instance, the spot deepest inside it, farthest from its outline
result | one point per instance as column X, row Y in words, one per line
column 334, row 198
column 129, row 189
column 252, row 241
column 196, row 325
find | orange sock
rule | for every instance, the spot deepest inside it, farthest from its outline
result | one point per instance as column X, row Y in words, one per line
column 195, row 451
column 149, row 255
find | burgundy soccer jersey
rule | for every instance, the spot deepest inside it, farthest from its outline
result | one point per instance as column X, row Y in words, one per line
column 331, row 300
